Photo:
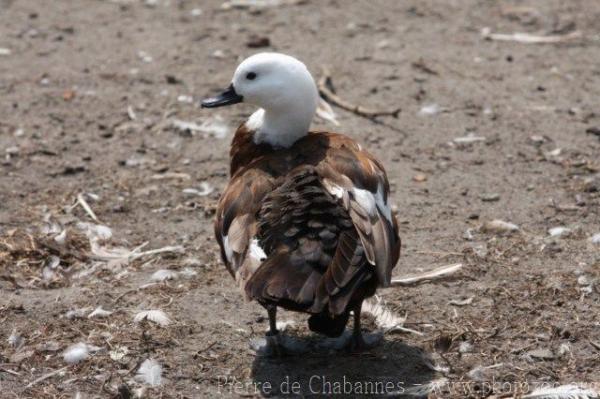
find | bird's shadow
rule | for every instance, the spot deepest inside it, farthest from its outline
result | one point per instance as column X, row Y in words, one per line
column 392, row 369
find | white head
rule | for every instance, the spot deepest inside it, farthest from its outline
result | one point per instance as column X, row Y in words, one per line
column 283, row 89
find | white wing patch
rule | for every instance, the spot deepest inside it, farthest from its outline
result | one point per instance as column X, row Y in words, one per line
column 256, row 252
column 366, row 199
column 382, row 204
column 228, row 250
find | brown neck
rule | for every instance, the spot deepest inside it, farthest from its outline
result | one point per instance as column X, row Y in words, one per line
column 243, row 149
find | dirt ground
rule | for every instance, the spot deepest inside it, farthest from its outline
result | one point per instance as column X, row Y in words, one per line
column 94, row 101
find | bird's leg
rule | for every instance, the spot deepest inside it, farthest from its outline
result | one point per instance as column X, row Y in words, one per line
column 357, row 343
column 272, row 311
column 273, row 337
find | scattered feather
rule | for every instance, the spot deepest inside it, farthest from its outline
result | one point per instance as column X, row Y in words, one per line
column 434, row 274
column 461, row 302
column 214, row 126
column 120, row 255
column 15, row 339
column 559, row 231
column 169, row 249
column 61, row 237
column 185, row 99
column 163, row 275
column 554, row 153
column 430, row 109
column 469, row 139
column 528, row 38
column 52, row 262
column 186, row 126
column 131, row 113
column 5, row 51
column 384, row 317
column 81, row 200
column 99, row 313
column 171, row 175
column 205, row 189
column 157, row 316
column 465, row 347
column 150, row 372
column 563, row 392
column 76, row 353
column 187, row 272
column 595, row 239
column 563, row 349
column 77, row 313
column 584, row 280
column 97, row 232
column 145, row 57
column 499, row 226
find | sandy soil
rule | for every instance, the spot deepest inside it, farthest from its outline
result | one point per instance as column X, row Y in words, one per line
column 90, row 95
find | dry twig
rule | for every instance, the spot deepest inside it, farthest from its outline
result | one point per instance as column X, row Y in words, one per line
column 46, row 376
column 436, row 274
column 325, row 88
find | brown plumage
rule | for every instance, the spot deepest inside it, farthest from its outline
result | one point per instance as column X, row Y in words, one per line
column 324, row 254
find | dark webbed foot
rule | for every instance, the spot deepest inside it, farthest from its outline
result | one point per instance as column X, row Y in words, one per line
column 359, row 342
column 363, row 342
column 274, row 344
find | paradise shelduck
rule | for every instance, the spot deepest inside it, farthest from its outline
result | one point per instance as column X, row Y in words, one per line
column 305, row 222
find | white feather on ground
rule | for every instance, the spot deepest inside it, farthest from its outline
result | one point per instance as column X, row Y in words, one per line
column 205, row 189
column 563, row 392
column 150, row 372
column 559, row 231
column 78, row 352
column 499, row 226
column 155, row 315
column 15, row 339
column 95, row 231
column 163, row 275
column 76, row 313
column 434, row 274
column 385, row 318
column 99, row 313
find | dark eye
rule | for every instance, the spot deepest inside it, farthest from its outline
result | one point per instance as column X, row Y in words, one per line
column 251, row 76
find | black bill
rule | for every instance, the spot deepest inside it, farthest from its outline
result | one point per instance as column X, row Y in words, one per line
column 228, row 97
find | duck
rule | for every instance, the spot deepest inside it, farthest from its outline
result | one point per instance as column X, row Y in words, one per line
column 305, row 222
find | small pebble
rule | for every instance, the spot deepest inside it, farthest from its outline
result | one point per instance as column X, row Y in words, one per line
column 420, row 178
